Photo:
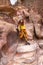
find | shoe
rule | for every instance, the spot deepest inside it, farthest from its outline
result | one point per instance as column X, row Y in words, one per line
column 27, row 43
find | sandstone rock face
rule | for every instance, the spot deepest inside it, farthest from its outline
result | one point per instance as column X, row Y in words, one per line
column 5, row 28
column 40, row 42
column 13, row 51
column 26, row 48
column 4, row 2
column 7, row 44
column 26, row 55
column 30, row 30
column 37, row 22
column 39, row 30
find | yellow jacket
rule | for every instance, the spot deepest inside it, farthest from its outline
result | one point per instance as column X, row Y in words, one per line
column 22, row 27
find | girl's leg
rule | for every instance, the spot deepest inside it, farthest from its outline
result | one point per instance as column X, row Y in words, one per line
column 21, row 34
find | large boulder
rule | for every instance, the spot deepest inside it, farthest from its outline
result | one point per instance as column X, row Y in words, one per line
column 40, row 62
column 8, row 41
column 39, row 29
column 30, row 30
column 5, row 28
column 37, row 22
column 26, row 54
column 40, row 42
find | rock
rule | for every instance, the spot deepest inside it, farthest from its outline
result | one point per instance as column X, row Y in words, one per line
column 26, row 54
column 5, row 28
column 34, row 16
column 34, row 63
column 24, row 57
column 40, row 42
column 30, row 30
column 26, row 48
column 40, row 62
column 13, row 50
column 17, row 19
column 36, row 19
column 4, row 60
column 38, row 30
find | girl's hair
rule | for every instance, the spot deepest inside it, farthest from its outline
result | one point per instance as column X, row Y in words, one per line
column 21, row 22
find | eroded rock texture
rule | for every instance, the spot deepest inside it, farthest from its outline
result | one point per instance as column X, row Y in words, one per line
column 5, row 28
column 13, row 51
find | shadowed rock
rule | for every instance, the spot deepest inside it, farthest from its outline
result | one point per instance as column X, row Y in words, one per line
column 5, row 28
